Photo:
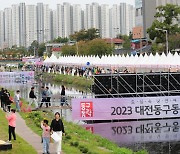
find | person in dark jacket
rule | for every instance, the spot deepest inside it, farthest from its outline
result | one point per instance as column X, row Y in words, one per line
column 63, row 93
column 48, row 96
column 33, row 98
column 1, row 96
column 44, row 97
column 7, row 102
column 58, row 127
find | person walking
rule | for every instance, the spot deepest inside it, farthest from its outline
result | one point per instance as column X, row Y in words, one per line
column 17, row 100
column 45, row 136
column 63, row 93
column 12, row 124
column 58, row 127
column 48, row 96
column 33, row 98
column 43, row 95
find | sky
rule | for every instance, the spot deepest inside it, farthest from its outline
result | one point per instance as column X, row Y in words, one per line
column 52, row 3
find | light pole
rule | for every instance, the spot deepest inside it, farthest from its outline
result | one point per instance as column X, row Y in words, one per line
column 166, row 31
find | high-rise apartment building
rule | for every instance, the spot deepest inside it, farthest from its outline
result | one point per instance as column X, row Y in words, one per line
column 131, row 11
column 127, row 18
column 31, row 24
column 22, row 24
column 8, row 28
column 47, row 23
column 77, row 18
column 58, row 16
column 1, row 29
column 95, row 16
column 15, row 25
column 40, row 23
column 104, row 21
column 138, row 13
column 67, row 20
column 92, row 16
column 88, row 17
column 114, row 21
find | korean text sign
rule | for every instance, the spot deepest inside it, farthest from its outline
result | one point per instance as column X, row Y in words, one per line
column 126, row 108
column 138, row 131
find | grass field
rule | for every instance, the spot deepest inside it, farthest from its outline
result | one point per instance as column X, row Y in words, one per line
column 81, row 83
column 19, row 146
column 77, row 139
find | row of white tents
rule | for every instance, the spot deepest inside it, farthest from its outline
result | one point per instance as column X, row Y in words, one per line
column 146, row 61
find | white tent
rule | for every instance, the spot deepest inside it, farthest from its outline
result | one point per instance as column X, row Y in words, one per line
column 146, row 61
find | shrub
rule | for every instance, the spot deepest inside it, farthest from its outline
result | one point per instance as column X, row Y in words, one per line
column 85, row 150
column 68, row 137
column 71, row 143
column 76, row 144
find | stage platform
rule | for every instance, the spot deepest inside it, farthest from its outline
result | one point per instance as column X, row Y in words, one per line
column 5, row 146
column 122, row 85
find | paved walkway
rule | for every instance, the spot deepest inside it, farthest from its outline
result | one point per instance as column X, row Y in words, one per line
column 27, row 134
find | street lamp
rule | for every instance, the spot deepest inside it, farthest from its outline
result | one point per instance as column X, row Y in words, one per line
column 164, row 30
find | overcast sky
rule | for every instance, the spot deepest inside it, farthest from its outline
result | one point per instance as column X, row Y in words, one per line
column 52, row 3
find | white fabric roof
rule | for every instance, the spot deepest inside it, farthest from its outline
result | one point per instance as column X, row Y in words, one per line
column 146, row 61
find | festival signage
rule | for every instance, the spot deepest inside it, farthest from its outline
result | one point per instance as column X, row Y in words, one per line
column 30, row 60
column 126, row 133
column 126, row 108
column 12, row 78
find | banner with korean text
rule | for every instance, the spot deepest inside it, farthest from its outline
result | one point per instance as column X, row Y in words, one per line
column 126, row 108
column 13, row 78
column 131, row 132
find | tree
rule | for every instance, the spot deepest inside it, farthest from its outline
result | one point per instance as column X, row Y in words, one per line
column 174, row 42
column 33, row 47
column 60, row 40
column 95, row 47
column 82, row 48
column 68, row 50
column 157, row 48
column 41, row 49
column 85, row 35
column 127, row 40
column 99, row 47
column 92, row 34
column 165, row 16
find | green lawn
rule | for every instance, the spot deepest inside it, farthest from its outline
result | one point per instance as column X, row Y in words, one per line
column 77, row 139
column 19, row 146
column 81, row 83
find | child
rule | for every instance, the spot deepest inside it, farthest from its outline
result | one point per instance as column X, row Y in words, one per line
column 45, row 136
column 12, row 124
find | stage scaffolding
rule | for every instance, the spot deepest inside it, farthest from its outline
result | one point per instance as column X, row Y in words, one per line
column 136, row 85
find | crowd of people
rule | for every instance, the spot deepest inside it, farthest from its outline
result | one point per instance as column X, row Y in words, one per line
column 78, row 71
column 46, row 95
column 55, row 130
column 5, row 100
